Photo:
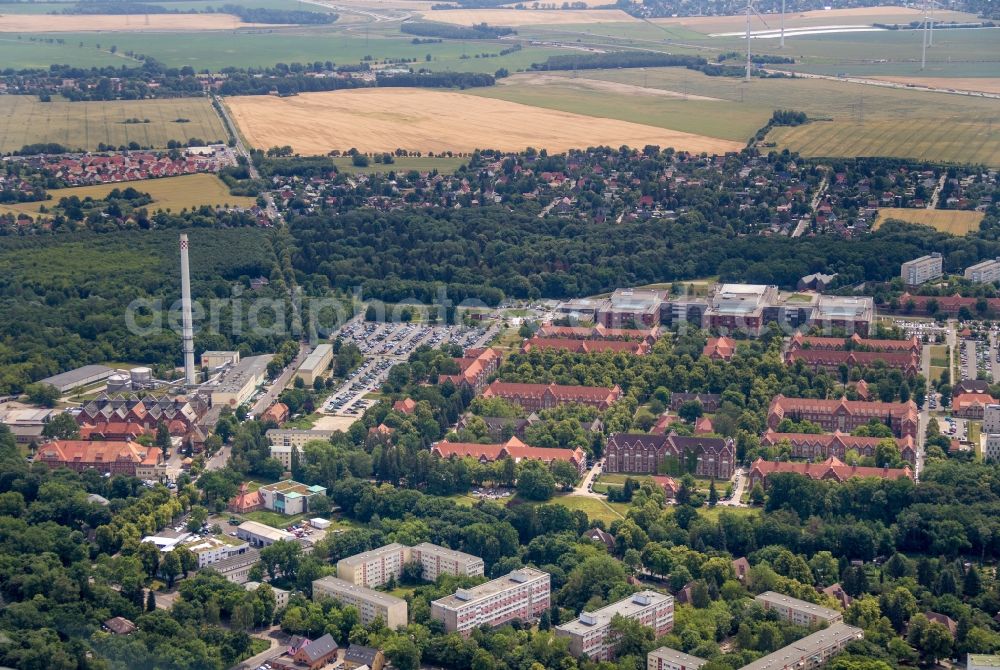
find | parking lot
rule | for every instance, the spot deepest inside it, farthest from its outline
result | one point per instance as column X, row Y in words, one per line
column 383, row 346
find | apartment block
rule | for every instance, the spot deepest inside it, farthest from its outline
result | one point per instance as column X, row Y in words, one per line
column 992, row 453
column 812, row 651
column 922, row 270
column 590, row 634
column 985, row 272
column 371, row 605
column 442, row 561
column 374, row 568
column 991, row 418
column 797, row 611
column 666, row 658
column 522, row 594
column 315, row 364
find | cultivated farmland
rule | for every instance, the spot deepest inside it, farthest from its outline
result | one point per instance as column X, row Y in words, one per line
column 955, row 222
column 937, row 140
column 84, row 125
column 377, row 120
column 133, row 23
column 174, row 193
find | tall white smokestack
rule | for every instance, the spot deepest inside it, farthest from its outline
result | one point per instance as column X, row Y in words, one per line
column 187, row 328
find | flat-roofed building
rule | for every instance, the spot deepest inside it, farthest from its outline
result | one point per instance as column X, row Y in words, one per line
column 666, row 658
column 237, row 384
column 982, row 662
column 315, row 364
column 280, row 595
column 582, row 309
column 371, row 604
column 629, row 307
column 985, row 272
column 210, row 550
column 739, row 307
column 590, row 634
column 237, row 568
column 289, row 497
column 88, row 374
column 797, row 611
column 216, row 359
column 376, row 567
column 522, row 594
column 922, row 270
column 259, row 535
column 851, row 314
column 437, row 560
column 811, row 651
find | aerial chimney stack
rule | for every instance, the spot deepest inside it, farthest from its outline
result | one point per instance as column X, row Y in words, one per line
column 187, row 328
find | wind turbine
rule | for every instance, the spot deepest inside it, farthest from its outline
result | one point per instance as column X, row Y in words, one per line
column 751, row 8
column 782, row 45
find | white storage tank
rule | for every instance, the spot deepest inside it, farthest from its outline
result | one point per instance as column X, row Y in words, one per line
column 142, row 377
column 118, row 382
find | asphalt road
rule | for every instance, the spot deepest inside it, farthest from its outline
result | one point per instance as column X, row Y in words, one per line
column 281, row 383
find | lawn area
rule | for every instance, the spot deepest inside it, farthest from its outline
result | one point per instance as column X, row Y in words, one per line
column 954, row 222
column 401, row 591
column 83, row 125
column 936, row 372
column 712, row 513
column 939, row 355
column 463, row 499
column 303, row 422
column 593, row 507
column 975, row 428
column 273, row 519
column 174, row 193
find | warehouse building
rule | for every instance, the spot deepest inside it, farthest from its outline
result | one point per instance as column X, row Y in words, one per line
column 88, row 374
column 259, row 535
column 315, row 364
column 238, row 384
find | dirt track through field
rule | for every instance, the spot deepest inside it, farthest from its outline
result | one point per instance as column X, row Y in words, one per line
column 378, row 120
column 597, row 85
column 983, row 84
column 47, row 23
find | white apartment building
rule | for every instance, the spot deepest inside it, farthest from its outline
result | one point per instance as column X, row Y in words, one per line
column 811, row 651
column 590, row 634
column 797, row 611
column 374, row 568
column 371, row 605
column 523, row 594
column 921, row 270
column 985, row 272
column 666, row 658
column 437, row 561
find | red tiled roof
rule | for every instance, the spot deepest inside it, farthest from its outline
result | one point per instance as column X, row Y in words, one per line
column 513, row 448
column 592, row 393
column 585, row 346
column 719, row 347
column 98, row 451
column 964, row 400
column 406, row 406
column 831, row 468
column 782, row 405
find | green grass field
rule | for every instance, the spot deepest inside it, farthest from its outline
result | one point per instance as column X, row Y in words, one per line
column 170, row 193
column 593, row 507
column 712, row 513
column 273, row 519
column 84, row 125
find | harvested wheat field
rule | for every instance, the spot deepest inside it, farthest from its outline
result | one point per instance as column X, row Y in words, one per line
column 979, row 84
column 133, row 23
column 376, row 120
column 953, row 221
column 528, row 17
column 858, row 16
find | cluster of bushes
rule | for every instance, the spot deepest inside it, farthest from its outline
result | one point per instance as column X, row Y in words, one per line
column 480, row 31
column 263, row 15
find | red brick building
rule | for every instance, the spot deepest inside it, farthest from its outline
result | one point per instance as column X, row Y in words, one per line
column 856, row 342
column 648, row 454
column 845, row 415
column 831, row 359
column 114, row 458
column 534, row 397
column 512, row 448
column 813, row 447
column 719, row 348
column 474, row 369
column 636, row 348
column 832, row 469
